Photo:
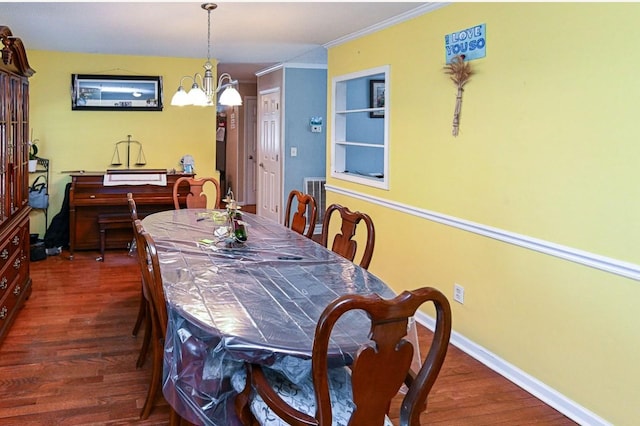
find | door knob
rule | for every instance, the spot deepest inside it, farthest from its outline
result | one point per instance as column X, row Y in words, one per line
column 261, row 165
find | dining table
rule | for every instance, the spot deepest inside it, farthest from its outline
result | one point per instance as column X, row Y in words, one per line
column 230, row 303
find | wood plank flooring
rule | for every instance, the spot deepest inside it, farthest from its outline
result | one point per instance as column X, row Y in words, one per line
column 69, row 358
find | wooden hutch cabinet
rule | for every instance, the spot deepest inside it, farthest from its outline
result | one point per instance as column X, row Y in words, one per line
column 15, row 283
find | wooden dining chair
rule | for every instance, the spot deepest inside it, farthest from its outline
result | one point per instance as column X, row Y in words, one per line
column 143, row 314
column 148, row 261
column 196, row 198
column 306, row 203
column 343, row 242
column 361, row 393
column 157, row 314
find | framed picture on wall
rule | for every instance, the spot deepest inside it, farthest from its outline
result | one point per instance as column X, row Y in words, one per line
column 376, row 98
column 116, row 92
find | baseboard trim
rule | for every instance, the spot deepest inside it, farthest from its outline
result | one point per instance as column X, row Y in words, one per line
column 607, row 264
column 535, row 387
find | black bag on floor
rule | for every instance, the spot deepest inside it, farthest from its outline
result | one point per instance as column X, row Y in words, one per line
column 38, row 252
column 57, row 234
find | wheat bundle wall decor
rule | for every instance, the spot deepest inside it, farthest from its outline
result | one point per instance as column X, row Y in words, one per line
column 460, row 72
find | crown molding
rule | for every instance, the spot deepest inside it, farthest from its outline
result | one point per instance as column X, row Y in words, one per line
column 421, row 10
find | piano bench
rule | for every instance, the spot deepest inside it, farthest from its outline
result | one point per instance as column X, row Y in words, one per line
column 111, row 221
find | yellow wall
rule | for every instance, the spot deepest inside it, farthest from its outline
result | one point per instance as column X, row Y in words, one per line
column 547, row 149
column 85, row 140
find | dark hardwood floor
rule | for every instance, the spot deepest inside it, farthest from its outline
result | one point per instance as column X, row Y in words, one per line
column 69, row 358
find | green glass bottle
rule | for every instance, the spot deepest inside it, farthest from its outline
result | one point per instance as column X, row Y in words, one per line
column 239, row 230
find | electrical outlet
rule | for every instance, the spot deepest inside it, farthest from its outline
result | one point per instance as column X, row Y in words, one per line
column 294, row 151
column 458, row 293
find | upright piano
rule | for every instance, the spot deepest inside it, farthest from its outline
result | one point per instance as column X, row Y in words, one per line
column 89, row 197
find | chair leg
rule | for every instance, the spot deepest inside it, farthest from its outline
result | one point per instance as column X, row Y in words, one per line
column 242, row 402
column 147, row 336
column 141, row 314
column 156, row 377
column 174, row 417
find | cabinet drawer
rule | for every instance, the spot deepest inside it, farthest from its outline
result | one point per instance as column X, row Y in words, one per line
column 15, row 267
column 9, row 300
column 10, row 246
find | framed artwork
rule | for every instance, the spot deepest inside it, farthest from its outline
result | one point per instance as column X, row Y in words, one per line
column 376, row 97
column 116, row 92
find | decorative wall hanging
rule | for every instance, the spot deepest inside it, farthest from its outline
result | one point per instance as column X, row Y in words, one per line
column 376, row 98
column 460, row 72
column 116, row 92
column 470, row 42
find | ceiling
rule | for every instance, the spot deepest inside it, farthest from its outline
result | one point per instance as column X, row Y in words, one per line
column 245, row 36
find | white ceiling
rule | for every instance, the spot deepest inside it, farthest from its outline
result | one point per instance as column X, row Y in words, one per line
column 245, row 36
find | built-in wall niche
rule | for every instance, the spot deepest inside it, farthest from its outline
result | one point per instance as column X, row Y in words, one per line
column 359, row 137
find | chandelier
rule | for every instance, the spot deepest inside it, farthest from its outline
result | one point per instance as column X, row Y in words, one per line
column 204, row 96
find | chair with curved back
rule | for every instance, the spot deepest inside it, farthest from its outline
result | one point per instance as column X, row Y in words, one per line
column 298, row 223
column 343, row 244
column 157, row 313
column 195, row 198
column 143, row 310
column 361, row 393
column 147, row 258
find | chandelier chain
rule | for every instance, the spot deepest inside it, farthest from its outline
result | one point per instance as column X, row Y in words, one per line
column 209, row 35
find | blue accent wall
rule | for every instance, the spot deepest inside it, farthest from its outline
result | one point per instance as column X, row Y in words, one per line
column 360, row 126
column 305, row 96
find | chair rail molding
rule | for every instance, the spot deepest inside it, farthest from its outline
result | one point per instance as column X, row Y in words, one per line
column 603, row 263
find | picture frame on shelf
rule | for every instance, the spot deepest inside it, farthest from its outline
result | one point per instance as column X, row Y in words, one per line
column 376, row 97
column 116, row 92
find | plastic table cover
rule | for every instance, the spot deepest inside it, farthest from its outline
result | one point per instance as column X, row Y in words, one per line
column 229, row 303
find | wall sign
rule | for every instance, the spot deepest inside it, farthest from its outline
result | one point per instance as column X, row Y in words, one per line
column 471, row 43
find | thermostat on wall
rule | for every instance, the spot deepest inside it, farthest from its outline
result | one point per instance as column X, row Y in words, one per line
column 316, row 124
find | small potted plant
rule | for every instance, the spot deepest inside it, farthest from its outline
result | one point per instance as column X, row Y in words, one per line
column 33, row 155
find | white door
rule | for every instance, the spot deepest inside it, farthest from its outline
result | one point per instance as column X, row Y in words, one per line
column 251, row 152
column 269, row 174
